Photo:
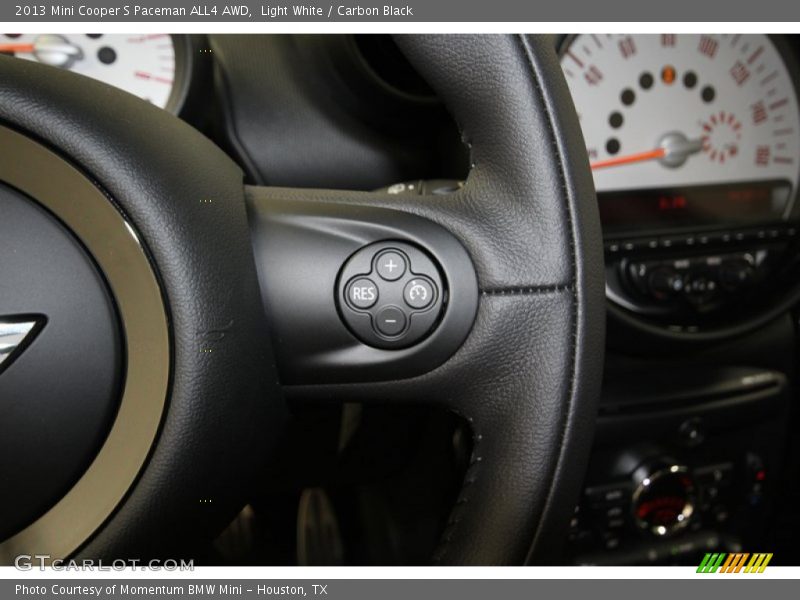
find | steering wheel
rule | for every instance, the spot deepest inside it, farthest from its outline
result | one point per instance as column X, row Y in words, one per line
column 174, row 310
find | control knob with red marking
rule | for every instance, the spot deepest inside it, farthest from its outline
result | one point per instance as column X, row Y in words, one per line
column 664, row 497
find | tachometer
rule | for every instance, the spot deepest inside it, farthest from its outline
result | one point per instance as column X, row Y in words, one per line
column 686, row 130
column 151, row 66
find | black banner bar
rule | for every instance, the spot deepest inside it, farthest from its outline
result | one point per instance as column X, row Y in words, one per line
column 730, row 587
column 353, row 11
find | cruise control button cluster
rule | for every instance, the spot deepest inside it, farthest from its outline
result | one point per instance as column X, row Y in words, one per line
column 391, row 294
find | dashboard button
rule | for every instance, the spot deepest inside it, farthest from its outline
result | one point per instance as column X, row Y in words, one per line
column 611, row 540
column 362, row 293
column 677, row 241
column 390, row 321
column 615, row 523
column 691, row 432
column 700, row 287
column 391, row 265
column 607, row 494
column 664, row 282
column 713, row 475
column 418, row 293
column 638, row 244
column 733, row 274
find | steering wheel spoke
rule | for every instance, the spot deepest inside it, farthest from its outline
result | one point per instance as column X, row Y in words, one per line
column 523, row 369
column 357, row 287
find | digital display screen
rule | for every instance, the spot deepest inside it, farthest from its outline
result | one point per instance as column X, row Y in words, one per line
column 728, row 205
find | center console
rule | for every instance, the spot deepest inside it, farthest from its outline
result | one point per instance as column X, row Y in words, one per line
column 699, row 256
column 692, row 426
column 683, row 464
column 696, row 278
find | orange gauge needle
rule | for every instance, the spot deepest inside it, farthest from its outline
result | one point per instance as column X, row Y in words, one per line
column 673, row 149
column 16, row 48
column 630, row 158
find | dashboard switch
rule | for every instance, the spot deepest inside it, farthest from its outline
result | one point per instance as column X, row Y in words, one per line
column 735, row 274
column 665, row 282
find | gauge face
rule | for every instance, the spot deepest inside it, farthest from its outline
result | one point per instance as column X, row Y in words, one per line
column 142, row 64
column 709, row 124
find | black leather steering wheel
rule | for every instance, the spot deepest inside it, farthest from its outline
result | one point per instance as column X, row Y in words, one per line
column 525, row 371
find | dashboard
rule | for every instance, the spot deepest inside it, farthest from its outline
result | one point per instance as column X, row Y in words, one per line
column 692, row 140
column 694, row 146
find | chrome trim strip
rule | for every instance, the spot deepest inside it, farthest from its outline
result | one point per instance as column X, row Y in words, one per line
column 84, row 209
column 12, row 334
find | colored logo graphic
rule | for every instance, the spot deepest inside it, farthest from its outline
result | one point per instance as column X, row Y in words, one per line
column 734, row 563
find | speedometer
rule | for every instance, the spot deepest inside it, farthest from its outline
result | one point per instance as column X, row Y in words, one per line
column 151, row 66
column 686, row 130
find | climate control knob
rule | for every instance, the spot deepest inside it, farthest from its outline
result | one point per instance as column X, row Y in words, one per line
column 734, row 274
column 664, row 497
column 664, row 282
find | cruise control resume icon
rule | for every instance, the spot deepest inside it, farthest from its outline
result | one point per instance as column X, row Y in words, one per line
column 363, row 293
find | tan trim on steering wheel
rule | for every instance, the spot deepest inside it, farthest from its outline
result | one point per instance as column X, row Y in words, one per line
column 111, row 240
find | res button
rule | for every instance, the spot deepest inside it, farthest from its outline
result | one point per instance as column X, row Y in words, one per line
column 362, row 293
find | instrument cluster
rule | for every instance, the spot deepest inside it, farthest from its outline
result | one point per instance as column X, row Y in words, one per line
column 694, row 145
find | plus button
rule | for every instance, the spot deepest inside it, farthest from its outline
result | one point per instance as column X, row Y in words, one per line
column 391, row 265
